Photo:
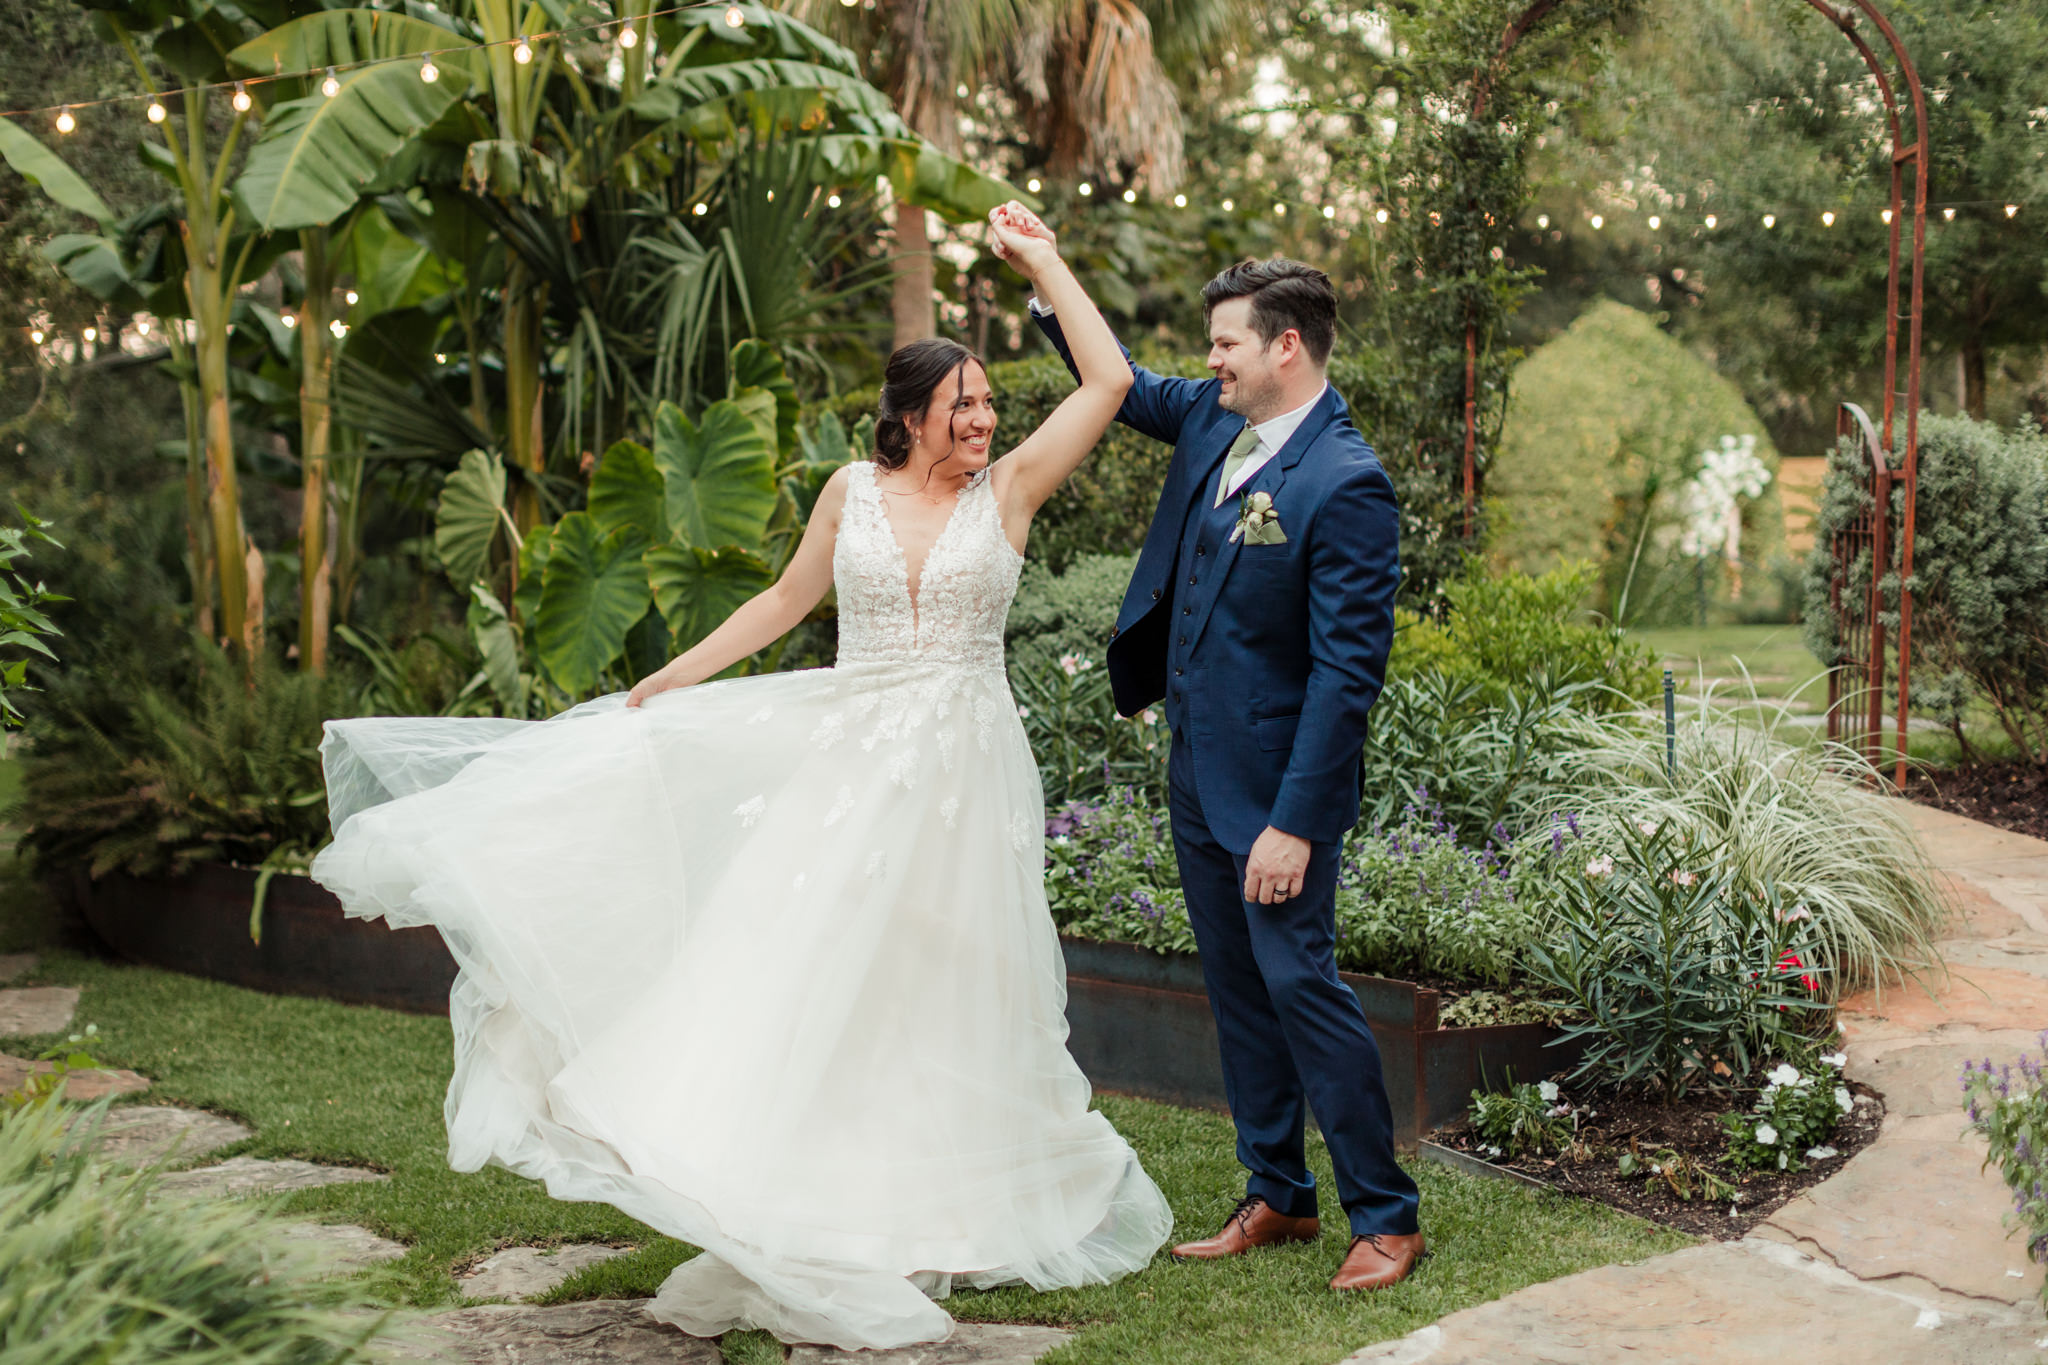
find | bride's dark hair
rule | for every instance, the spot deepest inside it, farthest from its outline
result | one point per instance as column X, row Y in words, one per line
column 913, row 373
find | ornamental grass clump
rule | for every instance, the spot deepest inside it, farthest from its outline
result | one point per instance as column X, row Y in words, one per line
column 2008, row 1104
column 1797, row 818
column 1681, row 974
column 93, row 1269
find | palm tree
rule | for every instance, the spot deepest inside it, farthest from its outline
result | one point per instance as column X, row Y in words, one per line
column 1092, row 87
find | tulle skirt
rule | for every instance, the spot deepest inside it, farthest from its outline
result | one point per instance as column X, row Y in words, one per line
column 766, row 964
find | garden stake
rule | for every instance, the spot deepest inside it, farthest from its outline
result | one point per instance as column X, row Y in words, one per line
column 1670, row 728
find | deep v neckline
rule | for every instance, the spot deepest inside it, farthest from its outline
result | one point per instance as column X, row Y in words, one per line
column 913, row 595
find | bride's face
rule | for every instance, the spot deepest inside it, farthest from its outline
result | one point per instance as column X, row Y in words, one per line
column 960, row 420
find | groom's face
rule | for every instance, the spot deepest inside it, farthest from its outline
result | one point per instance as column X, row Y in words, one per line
column 1247, row 366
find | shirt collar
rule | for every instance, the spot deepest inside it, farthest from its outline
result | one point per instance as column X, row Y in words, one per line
column 1274, row 431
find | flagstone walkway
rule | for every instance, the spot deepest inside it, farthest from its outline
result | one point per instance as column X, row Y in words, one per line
column 1902, row 1258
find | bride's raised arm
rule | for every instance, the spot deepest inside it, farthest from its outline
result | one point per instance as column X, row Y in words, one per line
column 767, row 616
column 1029, row 474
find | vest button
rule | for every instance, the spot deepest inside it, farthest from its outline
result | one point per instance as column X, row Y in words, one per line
column 1179, row 672
column 1187, row 611
column 1155, row 594
column 1191, row 580
column 1183, row 641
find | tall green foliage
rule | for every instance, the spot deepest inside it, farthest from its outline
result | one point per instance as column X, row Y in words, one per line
column 1980, row 574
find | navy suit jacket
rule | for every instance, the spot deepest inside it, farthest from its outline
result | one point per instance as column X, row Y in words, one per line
column 1286, row 645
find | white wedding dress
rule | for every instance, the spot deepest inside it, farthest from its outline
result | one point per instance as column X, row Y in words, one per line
column 766, row 963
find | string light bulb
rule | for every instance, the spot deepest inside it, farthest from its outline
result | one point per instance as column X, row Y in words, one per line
column 831, row 201
column 339, row 328
column 1032, row 184
column 1886, row 215
column 1380, row 216
column 1329, row 210
column 1770, row 221
column 289, row 319
column 156, row 111
column 35, row 336
column 440, row 358
column 1180, row 201
column 1542, row 219
column 331, row 86
column 522, row 52
column 1827, row 218
column 351, row 296
column 2011, row 209
column 1598, row 222
column 733, row 17
column 142, row 326
column 1085, row 189
column 1711, row 220
column 1948, row 215
column 429, row 72
column 65, row 123
column 1279, row 210
column 1130, row 196
column 629, row 37
column 92, row 334
column 241, row 100
column 701, row 209
column 1655, row 222
column 1229, row 205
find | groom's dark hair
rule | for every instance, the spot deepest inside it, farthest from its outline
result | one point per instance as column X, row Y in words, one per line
column 1284, row 294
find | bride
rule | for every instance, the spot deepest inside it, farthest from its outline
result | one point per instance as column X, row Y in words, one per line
column 766, row 962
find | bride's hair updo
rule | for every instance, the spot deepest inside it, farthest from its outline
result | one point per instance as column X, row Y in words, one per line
column 913, row 373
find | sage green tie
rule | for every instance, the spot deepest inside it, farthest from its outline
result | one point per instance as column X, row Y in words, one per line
column 1240, row 450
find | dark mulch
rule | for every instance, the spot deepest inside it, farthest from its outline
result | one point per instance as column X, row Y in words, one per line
column 2012, row 795
column 1691, row 1127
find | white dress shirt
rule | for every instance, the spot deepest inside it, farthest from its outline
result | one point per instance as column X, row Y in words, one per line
column 1273, row 432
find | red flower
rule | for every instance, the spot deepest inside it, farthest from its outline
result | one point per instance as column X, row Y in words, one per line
column 1790, row 962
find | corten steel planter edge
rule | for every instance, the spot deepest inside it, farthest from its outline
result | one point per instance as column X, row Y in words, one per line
column 1140, row 1024
column 199, row 925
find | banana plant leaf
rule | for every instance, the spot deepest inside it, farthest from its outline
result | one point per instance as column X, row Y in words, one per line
column 391, row 270
column 47, row 171
column 593, row 591
column 318, row 156
column 197, row 49
column 719, row 478
column 697, row 589
column 766, row 33
column 820, row 88
column 342, row 37
column 466, row 521
column 93, row 265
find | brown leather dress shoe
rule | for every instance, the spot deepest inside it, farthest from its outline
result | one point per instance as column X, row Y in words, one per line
column 1379, row 1259
column 1253, row 1223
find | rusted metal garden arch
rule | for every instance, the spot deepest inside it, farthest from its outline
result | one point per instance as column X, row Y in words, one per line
column 1860, row 624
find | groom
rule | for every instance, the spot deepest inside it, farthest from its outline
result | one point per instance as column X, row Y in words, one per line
column 1262, row 610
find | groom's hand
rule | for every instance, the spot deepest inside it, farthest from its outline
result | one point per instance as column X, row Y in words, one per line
column 1276, row 867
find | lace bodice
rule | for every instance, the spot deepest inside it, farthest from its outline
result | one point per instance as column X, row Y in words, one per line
column 963, row 595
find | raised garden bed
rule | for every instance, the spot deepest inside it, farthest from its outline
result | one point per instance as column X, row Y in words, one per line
column 1139, row 1020
column 1614, row 1123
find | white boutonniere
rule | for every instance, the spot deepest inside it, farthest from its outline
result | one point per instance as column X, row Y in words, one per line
column 1257, row 521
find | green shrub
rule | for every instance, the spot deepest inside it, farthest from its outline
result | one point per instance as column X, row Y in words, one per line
column 1413, row 900
column 1110, row 873
column 1676, row 968
column 1499, row 630
column 22, row 623
column 1980, row 573
column 1071, row 612
column 92, row 1269
column 1795, row 817
column 1606, row 426
column 1083, row 747
column 2008, row 1106
column 220, row 772
column 1524, row 1120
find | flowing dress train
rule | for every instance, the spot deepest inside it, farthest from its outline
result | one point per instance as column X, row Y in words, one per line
column 766, row 963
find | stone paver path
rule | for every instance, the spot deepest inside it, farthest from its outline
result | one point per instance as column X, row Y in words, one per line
column 1902, row 1257
column 972, row 1343
column 83, row 1086
column 37, row 1009
column 244, row 1175
column 522, row 1272
column 140, row 1133
column 601, row 1332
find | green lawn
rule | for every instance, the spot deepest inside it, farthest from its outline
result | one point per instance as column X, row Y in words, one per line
column 349, row 1084
column 1777, row 662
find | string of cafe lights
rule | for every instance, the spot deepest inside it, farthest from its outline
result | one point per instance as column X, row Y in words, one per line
column 626, row 32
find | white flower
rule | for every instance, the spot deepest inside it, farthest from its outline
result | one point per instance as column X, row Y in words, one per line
column 1820, row 1153
column 1797, row 912
column 1766, row 1134
column 1023, row 713
column 1069, row 665
column 1490, row 1150
column 1548, row 1090
column 1648, row 827
column 1145, row 717
column 1558, row 1111
column 1843, row 1099
column 1784, row 1073
column 1260, row 502
column 1837, row 1060
column 1060, row 841
column 1601, row 866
